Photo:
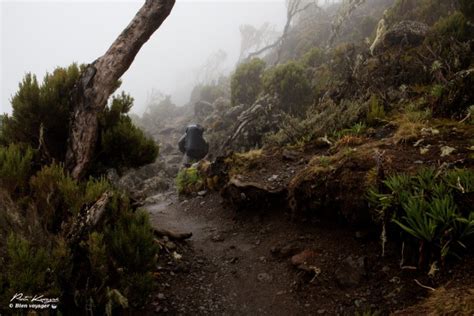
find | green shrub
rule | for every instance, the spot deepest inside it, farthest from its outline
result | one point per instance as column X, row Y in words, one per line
column 189, row 180
column 323, row 119
column 131, row 246
column 454, row 26
column 314, row 57
column 32, row 269
column 467, row 8
column 131, row 242
column 376, row 111
column 56, row 195
column 288, row 82
column 47, row 108
column 428, row 206
column 48, row 104
column 15, row 167
column 246, row 82
column 211, row 92
column 122, row 145
column 95, row 188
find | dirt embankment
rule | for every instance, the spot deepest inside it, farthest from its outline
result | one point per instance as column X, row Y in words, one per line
column 288, row 235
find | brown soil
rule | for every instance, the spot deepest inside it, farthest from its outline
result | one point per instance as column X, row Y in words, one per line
column 239, row 264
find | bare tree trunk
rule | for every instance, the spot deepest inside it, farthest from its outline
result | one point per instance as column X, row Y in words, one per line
column 100, row 78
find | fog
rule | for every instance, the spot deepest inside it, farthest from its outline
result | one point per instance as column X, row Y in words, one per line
column 37, row 36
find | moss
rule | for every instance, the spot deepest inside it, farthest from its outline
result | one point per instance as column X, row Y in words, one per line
column 189, row 180
column 376, row 112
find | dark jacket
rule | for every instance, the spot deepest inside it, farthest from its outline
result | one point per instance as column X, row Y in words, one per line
column 192, row 142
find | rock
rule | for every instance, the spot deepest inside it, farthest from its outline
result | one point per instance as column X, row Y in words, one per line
column 264, row 277
column 306, row 257
column 350, row 272
column 202, row 193
column 446, row 151
column 290, row 155
column 160, row 296
column 424, row 150
column 273, row 178
column 217, row 238
column 289, row 250
column 406, row 33
column 170, row 245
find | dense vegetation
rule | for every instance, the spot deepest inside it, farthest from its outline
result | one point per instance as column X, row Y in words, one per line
column 111, row 267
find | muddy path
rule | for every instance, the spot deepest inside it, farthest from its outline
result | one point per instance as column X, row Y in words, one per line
column 244, row 264
column 226, row 266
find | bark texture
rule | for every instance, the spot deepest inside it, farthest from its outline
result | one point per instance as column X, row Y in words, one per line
column 100, row 78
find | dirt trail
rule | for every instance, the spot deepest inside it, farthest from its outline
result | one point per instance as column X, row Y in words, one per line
column 226, row 266
column 240, row 264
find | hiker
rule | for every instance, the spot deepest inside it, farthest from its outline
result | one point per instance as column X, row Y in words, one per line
column 193, row 145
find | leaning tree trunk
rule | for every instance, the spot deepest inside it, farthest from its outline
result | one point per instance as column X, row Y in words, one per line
column 99, row 81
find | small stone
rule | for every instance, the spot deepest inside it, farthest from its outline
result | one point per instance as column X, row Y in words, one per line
column 321, row 311
column 161, row 296
column 202, row 193
column 217, row 238
column 304, row 257
column 350, row 272
column 273, row 178
column 202, row 203
column 264, row 277
column 446, row 151
column 170, row 245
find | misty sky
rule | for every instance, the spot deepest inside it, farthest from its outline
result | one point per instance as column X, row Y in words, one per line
column 37, row 36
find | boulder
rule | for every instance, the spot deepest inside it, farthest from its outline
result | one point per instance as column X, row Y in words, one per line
column 405, row 33
column 306, row 257
column 350, row 272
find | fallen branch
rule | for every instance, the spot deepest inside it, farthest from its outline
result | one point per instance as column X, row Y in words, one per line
column 171, row 235
column 424, row 286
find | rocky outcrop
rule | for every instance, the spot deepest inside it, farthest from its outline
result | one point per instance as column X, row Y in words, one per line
column 404, row 33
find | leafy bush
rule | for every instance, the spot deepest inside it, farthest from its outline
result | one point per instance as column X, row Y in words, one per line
column 211, row 92
column 34, row 269
column 189, row 180
column 454, row 26
column 291, row 86
column 323, row 119
column 314, row 57
column 15, row 167
column 56, row 195
column 131, row 246
column 429, row 207
column 95, row 188
column 45, row 109
column 48, row 104
column 246, row 82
